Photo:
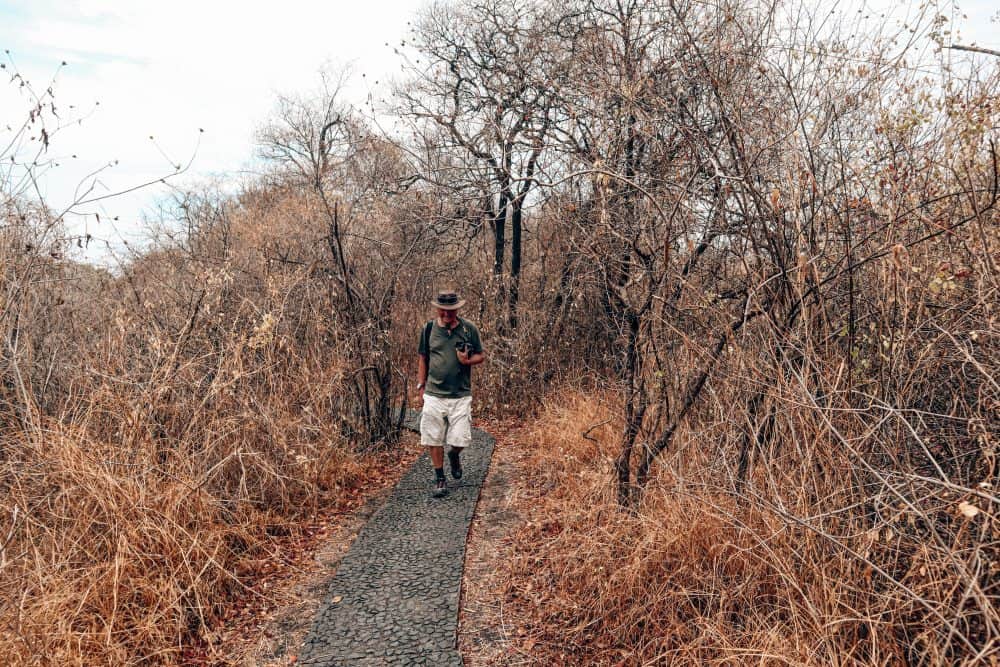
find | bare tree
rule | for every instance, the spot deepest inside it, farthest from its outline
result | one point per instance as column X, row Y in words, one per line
column 349, row 170
column 309, row 132
column 481, row 77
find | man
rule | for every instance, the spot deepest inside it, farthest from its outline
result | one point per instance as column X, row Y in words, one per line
column 449, row 348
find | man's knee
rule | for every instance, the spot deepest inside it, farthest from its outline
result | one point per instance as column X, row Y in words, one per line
column 432, row 431
column 460, row 432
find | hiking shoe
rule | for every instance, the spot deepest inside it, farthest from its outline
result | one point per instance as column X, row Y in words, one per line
column 440, row 489
column 456, row 464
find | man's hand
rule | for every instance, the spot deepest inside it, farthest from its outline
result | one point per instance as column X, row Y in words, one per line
column 418, row 400
column 470, row 359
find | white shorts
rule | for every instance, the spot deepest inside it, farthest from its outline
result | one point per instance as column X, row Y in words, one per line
column 457, row 432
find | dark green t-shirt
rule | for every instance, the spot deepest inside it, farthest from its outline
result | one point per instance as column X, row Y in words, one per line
column 447, row 377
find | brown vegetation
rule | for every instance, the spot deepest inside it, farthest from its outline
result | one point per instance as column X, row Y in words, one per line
column 803, row 565
column 790, row 237
column 159, row 426
column 764, row 240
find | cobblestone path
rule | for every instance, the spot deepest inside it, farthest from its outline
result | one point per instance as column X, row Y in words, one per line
column 394, row 598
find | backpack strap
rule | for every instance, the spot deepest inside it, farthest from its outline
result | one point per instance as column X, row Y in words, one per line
column 427, row 335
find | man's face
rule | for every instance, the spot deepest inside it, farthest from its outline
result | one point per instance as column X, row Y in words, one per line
column 449, row 317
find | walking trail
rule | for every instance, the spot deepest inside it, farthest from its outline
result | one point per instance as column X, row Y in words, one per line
column 394, row 599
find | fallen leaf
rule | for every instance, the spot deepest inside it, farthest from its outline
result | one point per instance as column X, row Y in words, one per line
column 337, row 598
column 968, row 509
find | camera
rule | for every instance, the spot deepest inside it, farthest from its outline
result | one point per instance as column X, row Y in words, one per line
column 464, row 347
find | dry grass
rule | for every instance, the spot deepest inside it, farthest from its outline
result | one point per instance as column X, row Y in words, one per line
column 704, row 572
column 160, row 429
column 124, row 555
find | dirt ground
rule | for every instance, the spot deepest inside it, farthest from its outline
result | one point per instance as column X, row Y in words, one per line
column 485, row 636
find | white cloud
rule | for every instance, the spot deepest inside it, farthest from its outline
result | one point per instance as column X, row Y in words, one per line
column 168, row 69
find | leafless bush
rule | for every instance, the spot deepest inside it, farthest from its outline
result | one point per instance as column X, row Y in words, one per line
column 159, row 425
column 792, row 235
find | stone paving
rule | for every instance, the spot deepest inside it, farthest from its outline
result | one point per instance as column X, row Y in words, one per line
column 394, row 599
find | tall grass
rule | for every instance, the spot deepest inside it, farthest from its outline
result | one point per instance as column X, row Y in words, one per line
column 844, row 545
column 159, row 427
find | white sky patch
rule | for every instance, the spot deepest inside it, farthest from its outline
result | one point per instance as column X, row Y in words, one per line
column 168, row 69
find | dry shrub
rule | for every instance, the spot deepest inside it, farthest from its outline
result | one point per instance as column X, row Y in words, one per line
column 159, row 428
column 124, row 554
column 784, row 570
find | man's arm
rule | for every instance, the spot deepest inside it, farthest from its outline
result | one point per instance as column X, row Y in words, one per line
column 422, row 372
column 472, row 359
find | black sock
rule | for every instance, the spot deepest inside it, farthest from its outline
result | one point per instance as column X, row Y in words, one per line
column 439, row 473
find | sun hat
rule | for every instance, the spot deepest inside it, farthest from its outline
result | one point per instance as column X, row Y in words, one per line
column 447, row 301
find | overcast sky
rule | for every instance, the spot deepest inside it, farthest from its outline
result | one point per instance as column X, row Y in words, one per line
column 169, row 69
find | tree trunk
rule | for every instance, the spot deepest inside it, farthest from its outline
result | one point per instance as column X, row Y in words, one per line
column 499, row 233
column 690, row 397
column 635, row 411
column 515, row 260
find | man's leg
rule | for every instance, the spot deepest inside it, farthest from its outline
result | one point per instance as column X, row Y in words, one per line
column 455, row 462
column 459, row 432
column 432, row 433
column 437, row 456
